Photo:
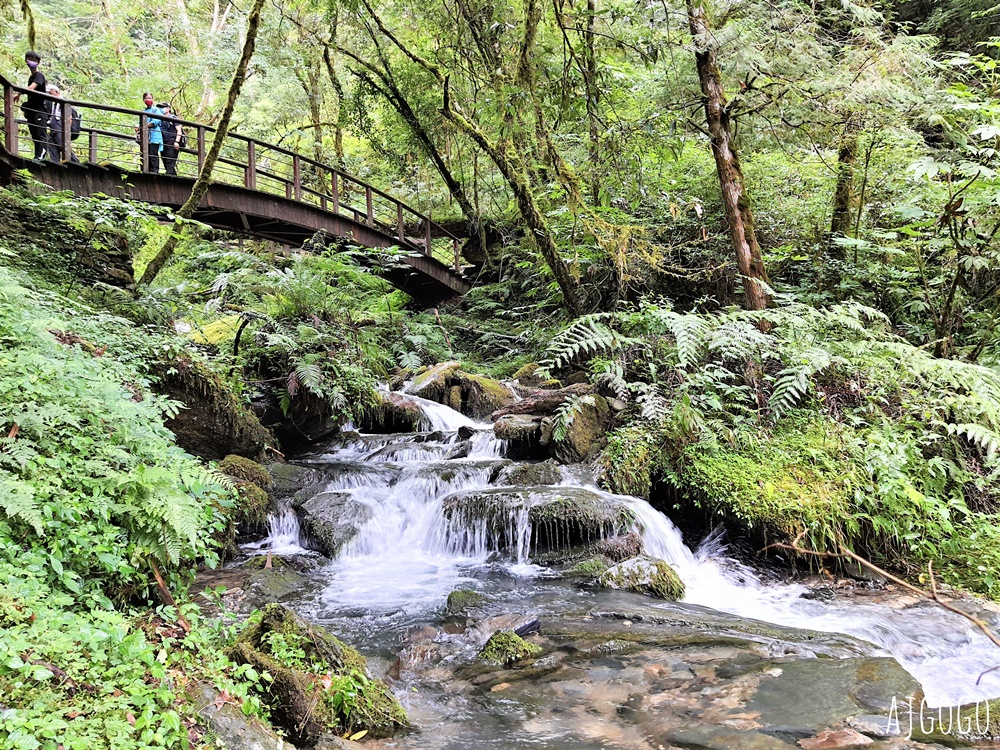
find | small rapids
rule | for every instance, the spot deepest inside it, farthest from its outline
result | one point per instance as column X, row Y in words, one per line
column 399, row 568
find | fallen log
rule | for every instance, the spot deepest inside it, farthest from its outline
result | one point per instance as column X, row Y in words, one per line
column 544, row 402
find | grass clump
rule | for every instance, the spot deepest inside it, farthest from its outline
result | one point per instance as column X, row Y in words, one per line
column 505, row 647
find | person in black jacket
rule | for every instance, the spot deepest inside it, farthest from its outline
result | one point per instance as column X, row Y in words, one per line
column 56, row 128
column 171, row 130
column 36, row 108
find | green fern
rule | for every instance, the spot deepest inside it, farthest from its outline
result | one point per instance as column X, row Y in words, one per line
column 17, row 501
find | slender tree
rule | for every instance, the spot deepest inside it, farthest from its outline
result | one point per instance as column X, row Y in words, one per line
column 727, row 161
column 201, row 185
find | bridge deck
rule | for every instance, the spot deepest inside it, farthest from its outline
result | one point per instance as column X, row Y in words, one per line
column 257, row 189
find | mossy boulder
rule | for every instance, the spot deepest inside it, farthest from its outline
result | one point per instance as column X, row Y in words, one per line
column 319, row 684
column 271, row 585
column 644, row 575
column 584, row 434
column 288, row 479
column 528, row 375
column 530, row 474
column 523, row 435
column 474, row 395
column 239, row 467
column 332, row 519
column 621, row 548
column 462, row 599
column 505, row 648
column 214, row 422
column 562, row 519
column 252, row 482
column 394, row 413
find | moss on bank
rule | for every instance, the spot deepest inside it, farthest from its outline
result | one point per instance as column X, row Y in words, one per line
column 319, row 684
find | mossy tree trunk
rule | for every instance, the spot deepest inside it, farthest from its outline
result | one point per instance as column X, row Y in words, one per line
column 735, row 200
column 201, row 185
column 843, row 194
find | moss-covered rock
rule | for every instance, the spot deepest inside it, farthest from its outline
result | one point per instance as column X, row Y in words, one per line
column 505, row 648
column 644, row 575
column 214, row 423
column 462, row 599
column 394, row 413
column 621, row 548
column 562, row 519
column 528, row 375
column 319, row 684
column 239, row 467
column 530, row 474
column 523, row 435
column 476, row 396
column 591, row 416
column 592, row 567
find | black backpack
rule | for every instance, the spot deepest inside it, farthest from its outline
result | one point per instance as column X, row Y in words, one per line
column 75, row 123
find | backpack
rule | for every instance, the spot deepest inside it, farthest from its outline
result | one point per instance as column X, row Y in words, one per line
column 184, row 141
column 75, row 123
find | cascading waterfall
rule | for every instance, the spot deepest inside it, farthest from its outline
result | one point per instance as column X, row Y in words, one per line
column 408, row 557
column 284, row 535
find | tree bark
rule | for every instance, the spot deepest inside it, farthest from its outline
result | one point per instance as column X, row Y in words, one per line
column 512, row 168
column 545, row 402
column 727, row 162
column 843, row 194
column 201, row 185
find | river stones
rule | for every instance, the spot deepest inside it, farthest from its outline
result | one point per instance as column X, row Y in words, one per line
column 505, row 648
column 644, row 575
column 547, row 518
column 523, row 434
column 331, row 519
column 462, row 599
column 394, row 413
column 591, row 416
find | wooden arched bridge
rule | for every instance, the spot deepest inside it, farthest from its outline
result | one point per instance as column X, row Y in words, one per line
column 258, row 189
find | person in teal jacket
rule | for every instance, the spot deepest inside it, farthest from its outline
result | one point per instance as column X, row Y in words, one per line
column 154, row 135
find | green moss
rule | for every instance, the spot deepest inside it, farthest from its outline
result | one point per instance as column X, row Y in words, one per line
column 463, row 599
column 319, row 684
column 592, row 568
column 645, row 575
column 239, row 467
column 801, row 479
column 505, row 647
column 526, row 372
column 631, row 460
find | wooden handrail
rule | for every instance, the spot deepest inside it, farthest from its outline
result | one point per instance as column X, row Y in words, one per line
column 257, row 164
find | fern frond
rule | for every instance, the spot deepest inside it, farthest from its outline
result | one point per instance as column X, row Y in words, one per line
column 17, row 501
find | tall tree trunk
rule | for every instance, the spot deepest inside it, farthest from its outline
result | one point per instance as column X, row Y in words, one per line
column 727, row 161
column 512, row 168
column 593, row 94
column 201, row 185
column 843, row 194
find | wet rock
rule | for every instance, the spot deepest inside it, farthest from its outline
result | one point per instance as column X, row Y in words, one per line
column 562, row 518
column 462, row 599
column 299, row 703
column 530, row 474
column 474, row 395
column 269, row 586
column 578, row 378
column 724, row 738
column 584, row 434
column 394, row 413
column 333, row 742
column 215, row 423
column 875, row 725
column 528, row 375
column 861, row 573
column 523, row 433
column 836, row 739
column 644, row 575
column 287, row 479
column 621, row 548
column 332, row 519
column 465, row 432
column 505, row 648
column 820, row 594
column 232, row 730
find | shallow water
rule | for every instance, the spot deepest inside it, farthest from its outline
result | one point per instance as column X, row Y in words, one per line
column 392, row 580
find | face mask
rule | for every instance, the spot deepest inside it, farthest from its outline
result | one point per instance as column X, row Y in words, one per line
column 148, row 102
column 32, row 64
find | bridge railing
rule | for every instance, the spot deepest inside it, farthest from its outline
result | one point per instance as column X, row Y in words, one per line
column 118, row 136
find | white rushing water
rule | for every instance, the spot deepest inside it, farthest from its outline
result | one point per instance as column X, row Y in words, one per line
column 408, row 557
